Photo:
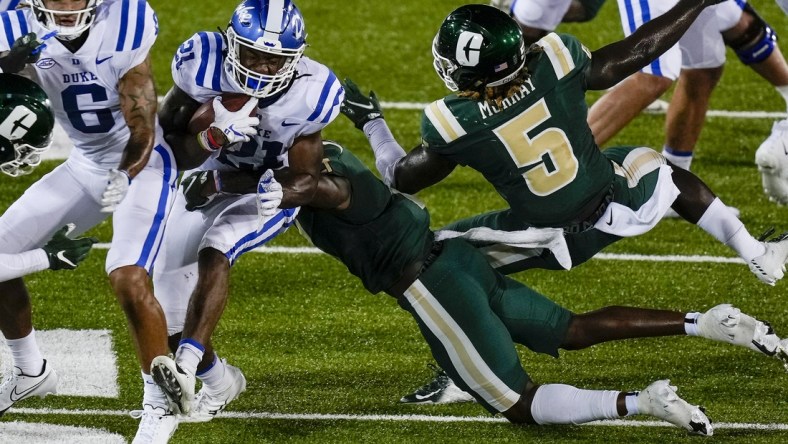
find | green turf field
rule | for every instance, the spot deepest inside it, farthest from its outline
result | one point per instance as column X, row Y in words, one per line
column 327, row 362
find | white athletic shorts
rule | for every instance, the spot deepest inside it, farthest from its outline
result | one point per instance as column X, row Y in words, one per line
column 229, row 224
column 700, row 47
column 71, row 194
column 540, row 14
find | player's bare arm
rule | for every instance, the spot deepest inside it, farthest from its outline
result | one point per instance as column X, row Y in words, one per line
column 420, row 169
column 333, row 193
column 299, row 180
column 174, row 114
column 616, row 61
column 138, row 104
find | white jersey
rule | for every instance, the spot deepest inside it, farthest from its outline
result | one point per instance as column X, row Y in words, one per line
column 7, row 5
column 311, row 102
column 83, row 86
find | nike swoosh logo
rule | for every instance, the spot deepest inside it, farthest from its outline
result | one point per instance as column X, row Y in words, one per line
column 610, row 221
column 100, row 61
column 24, row 393
column 360, row 105
column 62, row 256
column 286, row 123
column 428, row 395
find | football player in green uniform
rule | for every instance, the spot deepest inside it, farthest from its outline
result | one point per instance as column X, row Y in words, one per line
column 519, row 118
column 471, row 315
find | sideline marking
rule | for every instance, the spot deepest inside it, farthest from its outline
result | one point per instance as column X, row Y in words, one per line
column 397, row 418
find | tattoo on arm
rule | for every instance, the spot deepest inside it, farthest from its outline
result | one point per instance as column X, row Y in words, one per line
column 138, row 104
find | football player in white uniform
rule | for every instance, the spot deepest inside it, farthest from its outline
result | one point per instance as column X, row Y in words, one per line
column 260, row 55
column 7, row 5
column 93, row 63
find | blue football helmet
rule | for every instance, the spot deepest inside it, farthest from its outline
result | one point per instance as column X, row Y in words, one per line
column 26, row 124
column 268, row 28
column 47, row 18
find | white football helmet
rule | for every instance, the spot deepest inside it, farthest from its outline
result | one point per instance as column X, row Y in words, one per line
column 772, row 161
column 47, row 18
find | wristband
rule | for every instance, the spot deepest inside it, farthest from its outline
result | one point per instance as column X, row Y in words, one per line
column 206, row 141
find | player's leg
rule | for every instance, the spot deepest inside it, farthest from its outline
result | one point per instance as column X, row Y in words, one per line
column 138, row 227
column 57, row 198
column 616, row 108
column 236, row 228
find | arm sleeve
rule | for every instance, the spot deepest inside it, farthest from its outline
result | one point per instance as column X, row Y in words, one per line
column 14, row 266
column 387, row 151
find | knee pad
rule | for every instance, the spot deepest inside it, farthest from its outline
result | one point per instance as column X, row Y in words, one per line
column 757, row 42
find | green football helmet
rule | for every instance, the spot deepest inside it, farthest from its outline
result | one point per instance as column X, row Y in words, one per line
column 478, row 46
column 26, row 124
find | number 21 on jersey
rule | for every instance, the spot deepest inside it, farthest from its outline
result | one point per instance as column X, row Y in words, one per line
column 546, row 157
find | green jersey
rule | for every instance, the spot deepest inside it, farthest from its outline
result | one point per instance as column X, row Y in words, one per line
column 536, row 149
column 378, row 235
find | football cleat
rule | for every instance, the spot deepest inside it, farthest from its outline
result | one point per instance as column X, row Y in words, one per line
column 727, row 323
column 157, row 424
column 441, row 390
column 772, row 160
column 659, row 399
column 208, row 403
column 176, row 384
column 770, row 266
column 19, row 386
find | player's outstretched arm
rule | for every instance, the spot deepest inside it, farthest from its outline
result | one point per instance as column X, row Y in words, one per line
column 616, row 61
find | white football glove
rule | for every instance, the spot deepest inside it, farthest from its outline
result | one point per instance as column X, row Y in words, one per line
column 236, row 126
column 772, row 160
column 269, row 195
column 118, row 182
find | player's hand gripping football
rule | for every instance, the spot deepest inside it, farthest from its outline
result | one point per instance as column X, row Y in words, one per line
column 118, row 182
column 235, row 126
column 358, row 107
column 269, row 194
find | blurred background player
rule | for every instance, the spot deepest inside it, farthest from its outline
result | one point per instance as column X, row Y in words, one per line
column 99, row 82
column 260, row 55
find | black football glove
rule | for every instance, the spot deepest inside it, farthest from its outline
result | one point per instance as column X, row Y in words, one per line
column 22, row 52
column 358, row 107
column 65, row 253
column 196, row 186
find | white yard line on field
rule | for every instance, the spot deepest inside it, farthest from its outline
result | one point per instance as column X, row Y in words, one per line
column 391, row 418
column 602, row 256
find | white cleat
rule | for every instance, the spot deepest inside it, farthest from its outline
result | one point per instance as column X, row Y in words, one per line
column 441, row 390
column 660, row 400
column 19, row 386
column 770, row 266
column 157, row 424
column 209, row 403
column 772, row 160
column 176, row 384
column 727, row 323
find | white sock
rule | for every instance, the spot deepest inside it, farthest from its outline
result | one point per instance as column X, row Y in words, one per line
column 26, row 354
column 189, row 355
column 564, row 404
column 691, row 324
column 783, row 90
column 682, row 159
column 213, row 377
column 152, row 393
column 722, row 223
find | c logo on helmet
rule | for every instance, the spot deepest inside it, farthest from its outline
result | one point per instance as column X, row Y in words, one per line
column 18, row 123
column 469, row 45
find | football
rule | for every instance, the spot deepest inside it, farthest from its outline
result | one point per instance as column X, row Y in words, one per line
column 203, row 117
